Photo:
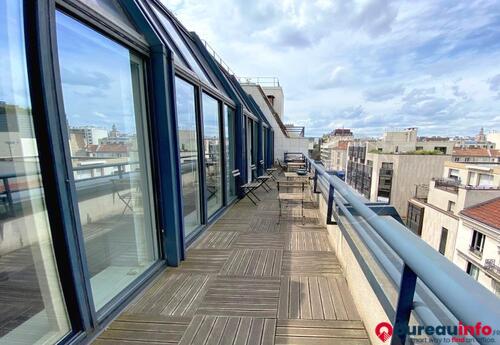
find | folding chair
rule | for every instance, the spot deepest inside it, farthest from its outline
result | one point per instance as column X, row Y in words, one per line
column 287, row 197
column 248, row 188
column 269, row 171
column 262, row 178
column 282, row 167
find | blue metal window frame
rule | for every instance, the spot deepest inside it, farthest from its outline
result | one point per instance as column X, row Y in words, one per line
column 46, row 94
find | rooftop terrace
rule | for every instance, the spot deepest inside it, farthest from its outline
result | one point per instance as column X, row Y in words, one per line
column 249, row 280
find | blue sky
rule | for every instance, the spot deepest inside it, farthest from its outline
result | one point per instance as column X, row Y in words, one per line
column 367, row 65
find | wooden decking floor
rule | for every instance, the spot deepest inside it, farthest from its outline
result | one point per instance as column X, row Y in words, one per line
column 248, row 280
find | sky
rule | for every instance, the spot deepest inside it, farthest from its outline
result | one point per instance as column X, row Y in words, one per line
column 366, row 65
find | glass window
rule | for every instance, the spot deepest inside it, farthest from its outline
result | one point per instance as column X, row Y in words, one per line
column 485, row 180
column 104, row 101
column 181, row 45
column 442, row 242
column 32, row 306
column 477, row 243
column 472, row 270
column 229, row 132
column 248, row 143
column 112, row 10
column 188, row 146
column 213, row 168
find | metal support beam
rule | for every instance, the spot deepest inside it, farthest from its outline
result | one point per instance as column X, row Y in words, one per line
column 404, row 306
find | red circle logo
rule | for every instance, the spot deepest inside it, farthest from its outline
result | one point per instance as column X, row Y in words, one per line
column 383, row 331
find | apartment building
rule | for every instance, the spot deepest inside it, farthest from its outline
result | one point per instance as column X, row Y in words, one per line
column 387, row 170
column 334, row 149
column 476, row 155
column 478, row 243
column 434, row 215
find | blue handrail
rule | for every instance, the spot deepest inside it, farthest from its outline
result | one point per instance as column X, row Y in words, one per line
column 465, row 298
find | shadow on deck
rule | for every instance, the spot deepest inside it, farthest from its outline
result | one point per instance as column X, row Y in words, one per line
column 248, row 280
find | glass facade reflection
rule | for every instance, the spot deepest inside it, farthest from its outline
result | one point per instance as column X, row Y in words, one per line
column 104, row 101
column 229, row 133
column 32, row 306
column 188, row 146
column 212, row 142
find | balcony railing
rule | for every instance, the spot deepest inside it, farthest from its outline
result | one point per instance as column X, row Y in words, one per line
column 429, row 285
column 449, row 185
column 452, row 185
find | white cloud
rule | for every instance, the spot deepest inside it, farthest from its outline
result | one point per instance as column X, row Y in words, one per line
column 402, row 62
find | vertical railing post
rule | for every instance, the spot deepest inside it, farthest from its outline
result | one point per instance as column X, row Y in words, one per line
column 8, row 193
column 404, row 306
column 315, row 180
column 329, row 213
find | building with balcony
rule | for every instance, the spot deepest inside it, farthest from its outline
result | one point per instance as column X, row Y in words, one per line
column 152, row 242
column 435, row 216
column 478, row 243
column 476, row 155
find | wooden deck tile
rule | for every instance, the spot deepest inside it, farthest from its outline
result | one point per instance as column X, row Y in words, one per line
column 313, row 332
column 204, row 260
column 178, row 294
column 216, row 240
column 264, row 224
column 254, row 262
column 287, row 226
column 241, row 296
column 315, row 298
column 260, row 240
column 248, row 280
column 230, row 226
column 309, row 263
column 144, row 329
column 221, row 330
column 308, row 241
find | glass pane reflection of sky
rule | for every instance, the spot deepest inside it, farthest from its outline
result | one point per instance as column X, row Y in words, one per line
column 93, row 93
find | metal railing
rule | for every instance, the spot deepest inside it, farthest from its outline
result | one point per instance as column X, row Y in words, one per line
column 460, row 295
column 452, row 184
column 217, row 57
column 263, row 81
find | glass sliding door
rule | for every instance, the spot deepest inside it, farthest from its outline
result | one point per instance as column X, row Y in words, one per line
column 264, row 146
column 229, row 133
column 103, row 93
column 255, row 142
column 188, row 146
column 32, row 306
column 213, row 167
column 248, row 143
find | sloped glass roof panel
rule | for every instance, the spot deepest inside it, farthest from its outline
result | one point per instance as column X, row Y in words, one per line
column 181, row 45
column 112, row 10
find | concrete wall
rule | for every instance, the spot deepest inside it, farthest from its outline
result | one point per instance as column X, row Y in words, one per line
column 339, row 160
column 365, row 299
column 282, row 143
column 434, row 221
column 279, row 99
column 408, row 171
